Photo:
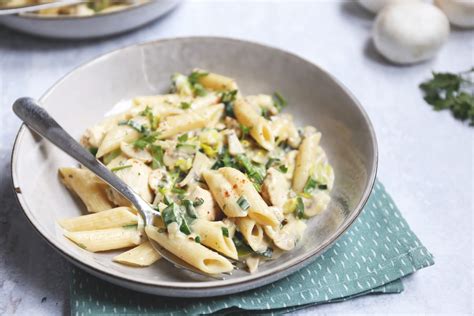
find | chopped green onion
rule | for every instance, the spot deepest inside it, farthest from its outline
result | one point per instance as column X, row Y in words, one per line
column 255, row 173
column 243, row 203
column 310, row 185
column 198, row 202
column 299, row 207
column 185, row 105
column 171, row 214
column 323, row 186
column 157, row 153
column 189, row 207
column 279, row 101
column 120, row 168
column 131, row 226
column 93, row 150
column 183, row 138
column 283, row 169
column 178, row 190
column 245, row 131
column 270, row 162
column 197, row 239
column 225, row 232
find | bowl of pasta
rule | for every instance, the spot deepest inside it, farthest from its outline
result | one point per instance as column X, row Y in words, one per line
column 85, row 20
column 256, row 161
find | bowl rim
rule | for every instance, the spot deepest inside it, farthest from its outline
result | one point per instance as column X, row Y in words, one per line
column 194, row 288
column 33, row 16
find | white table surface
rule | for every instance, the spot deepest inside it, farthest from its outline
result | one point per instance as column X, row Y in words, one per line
column 426, row 158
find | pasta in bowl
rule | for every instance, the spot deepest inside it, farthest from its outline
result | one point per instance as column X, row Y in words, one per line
column 233, row 178
column 86, row 95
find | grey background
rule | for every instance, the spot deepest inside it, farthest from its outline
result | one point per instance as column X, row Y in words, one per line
column 426, row 158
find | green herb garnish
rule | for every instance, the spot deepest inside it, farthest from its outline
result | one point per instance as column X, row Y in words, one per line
column 131, row 226
column 171, row 214
column 198, row 202
column 151, row 118
column 299, row 210
column 115, row 169
column 310, row 185
column 93, row 150
column 183, row 138
column 146, row 140
column 243, row 203
column 193, row 79
column 197, row 239
column 283, row 169
column 157, row 153
column 138, row 127
column 245, row 131
column 225, row 232
column 453, row 92
column 228, row 99
column 189, row 207
column 255, row 173
column 178, row 190
column 185, row 105
column 278, row 101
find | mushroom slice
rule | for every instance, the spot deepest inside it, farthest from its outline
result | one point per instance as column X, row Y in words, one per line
column 200, row 163
column 133, row 152
column 275, row 188
column 316, row 204
column 208, row 209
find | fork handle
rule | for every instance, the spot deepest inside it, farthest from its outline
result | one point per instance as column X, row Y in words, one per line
column 35, row 117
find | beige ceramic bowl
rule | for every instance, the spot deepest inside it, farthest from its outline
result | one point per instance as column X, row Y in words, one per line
column 82, row 97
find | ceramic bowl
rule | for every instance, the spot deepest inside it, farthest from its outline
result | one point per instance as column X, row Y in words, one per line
column 82, row 97
column 70, row 27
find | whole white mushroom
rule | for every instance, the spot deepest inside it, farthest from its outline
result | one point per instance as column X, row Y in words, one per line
column 407, row 33
column 459, row 12
column 375, row 6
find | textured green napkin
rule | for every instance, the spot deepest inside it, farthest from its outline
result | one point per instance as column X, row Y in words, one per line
column 372, row 257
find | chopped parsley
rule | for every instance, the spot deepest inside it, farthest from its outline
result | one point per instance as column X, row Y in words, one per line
column 243, row 203
column 115, row 169
column 279, row 102
column 453, row 92
column 151, row 118
column 145, row 140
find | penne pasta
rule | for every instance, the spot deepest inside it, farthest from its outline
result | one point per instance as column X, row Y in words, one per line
column 88, row 187
column 258, row 210
column 252, row 232
column 106, row 239
column 212, row 236
column 142, row 255
column 260, row 129
column 116, row 217
column 191, row 252
column 305, row 161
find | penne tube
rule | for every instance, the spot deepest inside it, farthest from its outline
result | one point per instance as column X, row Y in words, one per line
column 260, row 129
column 224, row 194
column 142, row 255
column 212, row 236
column 114, row 137
column 252, row 232
column 116, row 217
column 258, row 210
column 191, row 252
column 177, row 124
column 106, row 239
column 88, row 187
column 216, row 82
column 305, row 161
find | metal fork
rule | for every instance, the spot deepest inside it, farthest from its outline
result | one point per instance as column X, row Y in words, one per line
column 36, row 118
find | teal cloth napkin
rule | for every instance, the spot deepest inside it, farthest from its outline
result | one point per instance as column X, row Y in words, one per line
column 371, row 257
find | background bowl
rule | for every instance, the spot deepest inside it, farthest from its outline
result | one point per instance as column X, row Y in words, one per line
column 71, row 27
column 81, row 98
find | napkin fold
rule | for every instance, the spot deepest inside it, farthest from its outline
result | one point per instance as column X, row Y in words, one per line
column 370, row 258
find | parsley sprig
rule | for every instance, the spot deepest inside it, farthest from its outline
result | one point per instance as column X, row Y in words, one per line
column 453, row 92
